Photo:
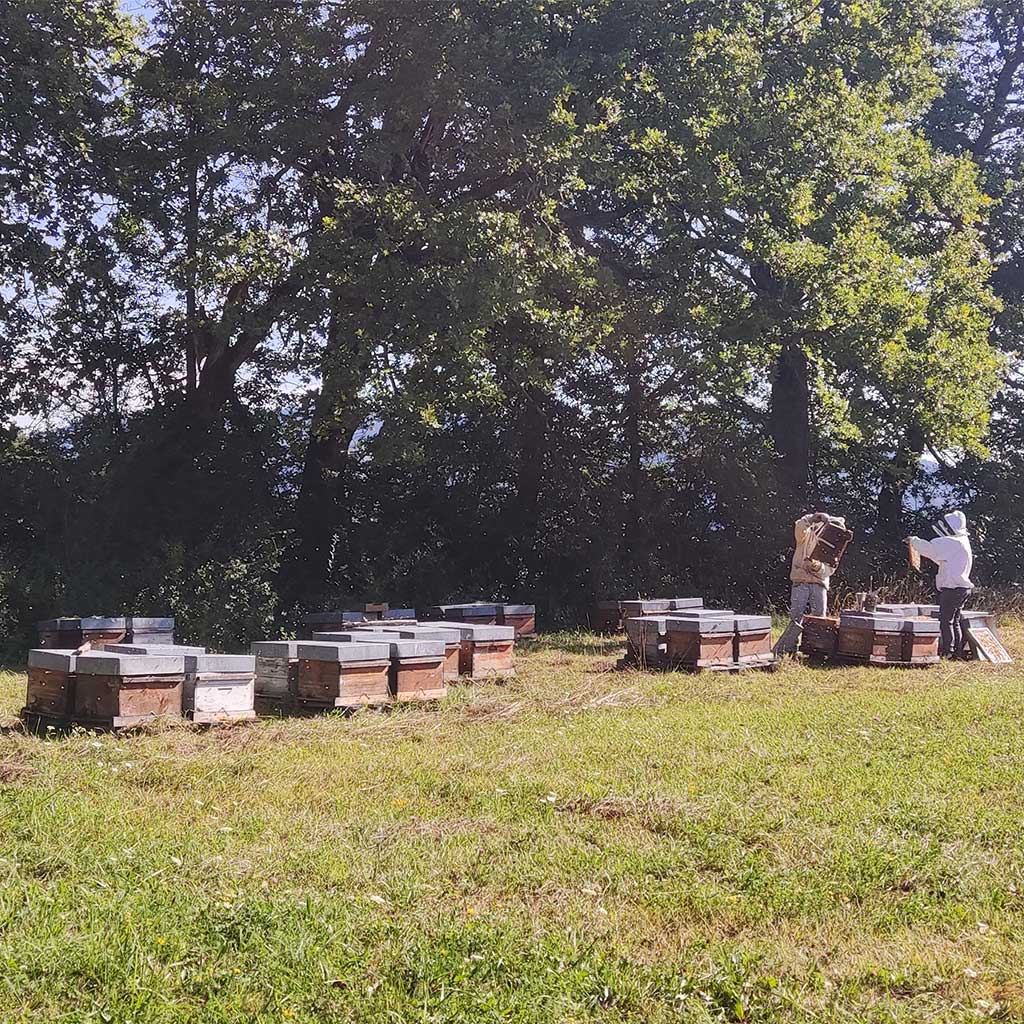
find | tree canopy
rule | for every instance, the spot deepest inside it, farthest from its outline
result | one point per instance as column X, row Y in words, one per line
column 312, row 302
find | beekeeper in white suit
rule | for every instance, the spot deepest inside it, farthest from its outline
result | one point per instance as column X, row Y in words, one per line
column 951, row 551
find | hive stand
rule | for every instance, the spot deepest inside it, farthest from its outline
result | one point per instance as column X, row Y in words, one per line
column 343, row 675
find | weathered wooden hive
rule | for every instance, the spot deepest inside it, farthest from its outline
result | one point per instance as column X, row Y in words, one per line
column 219, row 687
column 819, row 636
column 277, row 675
column 417, row 666
column 832, row 542
column 486, row 652
column 753, row 638
column 521, row 617
column 646, row 639
column 701, row 640
column 122, row 690
column 450, row 636
column 659, row 606
column 61, row 634
column 606, row 617
column 887, row 639
column 50, row 695
column 325, row 622
column 343, row 674
column 150, row 630
column 474, row 613
column 98, row 630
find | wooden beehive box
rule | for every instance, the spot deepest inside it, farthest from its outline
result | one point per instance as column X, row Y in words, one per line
column 920, row 641
column 606, row 617
column 150, row 630
column 50, row 694
column 277, row 675
column 474, row 613
column 346, row 674
column 450, row 637
column 487, row 652
column 61, row 634
column 870, row 637
column 753, row 638
column 417, row 666
column 521, row 617
column 819, row 636
column 122, row 690
column 831, row 544
column 219, row 687
column 326, row 622
column 646, row 640
column 654, row 606
column 98, row 630
column 700, row 641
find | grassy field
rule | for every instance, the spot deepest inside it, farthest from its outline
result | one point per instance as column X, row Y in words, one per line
column 579, row 844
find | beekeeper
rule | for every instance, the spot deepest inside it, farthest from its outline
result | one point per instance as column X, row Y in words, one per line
column 951, row 552
column 809, row 578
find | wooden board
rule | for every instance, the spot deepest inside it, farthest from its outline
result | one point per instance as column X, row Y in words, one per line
column 829, row 544
column 486, row 659
column 50, row 693
column 118, row 702
column 986, row 645
column 417, row 679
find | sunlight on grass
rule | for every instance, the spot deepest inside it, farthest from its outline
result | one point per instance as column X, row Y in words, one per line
column 578, row 843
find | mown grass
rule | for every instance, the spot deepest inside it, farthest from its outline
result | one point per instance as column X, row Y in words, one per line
column 578, row 844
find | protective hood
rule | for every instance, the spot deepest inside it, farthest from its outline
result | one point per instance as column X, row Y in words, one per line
column 954, row 525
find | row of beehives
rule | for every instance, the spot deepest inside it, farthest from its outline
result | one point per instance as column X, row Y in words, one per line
column 689, row 636
column 521, row 617
column 892, row 634
column 119, row 685
column 69, row 633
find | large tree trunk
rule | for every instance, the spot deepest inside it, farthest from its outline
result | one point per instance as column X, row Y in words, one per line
column 532, row 427
column 790, row 422
column 898, row 474
column 321, row 523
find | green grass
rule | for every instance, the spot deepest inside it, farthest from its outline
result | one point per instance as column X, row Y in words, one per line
column 579, row 844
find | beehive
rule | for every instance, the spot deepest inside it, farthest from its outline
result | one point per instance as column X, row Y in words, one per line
column 646, row 639
column 654, row 606
column 219, row 687
column 870, row 637
column 325, row 622
column 50, row 694
column 753, row 638
column 606, row 617
column 830, row 544
column 920, row 641
column 486, row 651
column 150, row 631
column 521, row 617
column 343, row 674
column 122, row 690
column 700, row 641
column 474, row 613
column 98, row 630
column 277, row 675
column 61, row 634
column 819, row 636
column 451, row 638
column 417, row 666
